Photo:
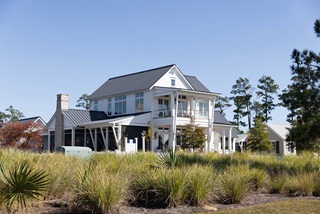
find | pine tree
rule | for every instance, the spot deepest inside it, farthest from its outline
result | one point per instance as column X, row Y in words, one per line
column 267, row 88
column 258, row 137
column 83, row 102
column 222, row 103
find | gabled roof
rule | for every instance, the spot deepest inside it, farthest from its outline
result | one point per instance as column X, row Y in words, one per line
column 129, row 83
column 281, row 130
column 36, row 119
column 220, row 119
column 196, row 84
column 79, row 116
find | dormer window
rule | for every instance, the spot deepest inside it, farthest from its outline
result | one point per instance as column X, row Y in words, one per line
column 173, row 82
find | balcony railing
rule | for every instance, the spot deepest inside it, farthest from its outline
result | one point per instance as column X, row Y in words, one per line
column 181, row 113
column 162, row 113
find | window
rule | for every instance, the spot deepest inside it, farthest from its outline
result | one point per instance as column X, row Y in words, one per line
column 183, row 106
column 173, row 82
column 95, row 106
column 109, row 106
column 120, row 105
column 139, row 102
column 203, row 108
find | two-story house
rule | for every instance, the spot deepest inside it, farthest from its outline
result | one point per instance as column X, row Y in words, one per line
column 161, row 99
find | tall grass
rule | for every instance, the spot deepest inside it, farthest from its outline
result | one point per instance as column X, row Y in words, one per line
column 235, row 184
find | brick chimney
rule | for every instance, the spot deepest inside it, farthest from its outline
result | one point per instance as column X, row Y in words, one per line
column 62, row 105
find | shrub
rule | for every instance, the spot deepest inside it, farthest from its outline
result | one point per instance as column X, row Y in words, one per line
column 301, row 185
column 277, row 183
column 159, row 188
column 259, row 178
column 235, row 184
column 100, row 191
column 199, row 185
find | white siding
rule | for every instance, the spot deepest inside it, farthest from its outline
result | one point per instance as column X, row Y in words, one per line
column 180, row 82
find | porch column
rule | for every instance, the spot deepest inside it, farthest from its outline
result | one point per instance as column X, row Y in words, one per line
column 229, row 141
column 223, row 142
column 73, row 137
column 49, row 141
column 95, row 144
column 85, row 137
column 143, row 143
column 107, row 139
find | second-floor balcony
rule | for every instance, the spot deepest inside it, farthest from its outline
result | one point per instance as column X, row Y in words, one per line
column 197, row 114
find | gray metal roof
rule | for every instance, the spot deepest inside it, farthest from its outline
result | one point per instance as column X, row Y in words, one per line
column 220, row 119
column 79, row 116
column 234, row 133
column 129, row 83
column 196, row 84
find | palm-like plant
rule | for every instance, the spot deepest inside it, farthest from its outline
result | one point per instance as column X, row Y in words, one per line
column 169, row 160
column 22, row 184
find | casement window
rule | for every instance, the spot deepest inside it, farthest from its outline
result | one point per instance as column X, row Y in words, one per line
column 120, row 105
column 109, row 106
column 95, row 105
column 139, row 102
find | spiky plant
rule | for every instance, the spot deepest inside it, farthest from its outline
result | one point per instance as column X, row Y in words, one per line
column 169, row 160
column 21, row 185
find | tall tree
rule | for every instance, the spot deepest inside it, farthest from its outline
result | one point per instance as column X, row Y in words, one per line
column 242, row 94
column 256, row 108
column 302, row 97
column 258, row 137
column 267, row 88
column 14, row 114
column 222, row 103
column 83, row 102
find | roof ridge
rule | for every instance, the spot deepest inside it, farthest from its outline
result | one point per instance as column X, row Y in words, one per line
column 141, row 72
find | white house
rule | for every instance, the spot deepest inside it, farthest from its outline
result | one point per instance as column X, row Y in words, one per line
column 162, row 99
column 277, row 135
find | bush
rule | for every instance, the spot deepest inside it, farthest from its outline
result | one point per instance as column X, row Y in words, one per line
column 301, row 185
column 235, row 184
column 100, row 191
column 277, row 183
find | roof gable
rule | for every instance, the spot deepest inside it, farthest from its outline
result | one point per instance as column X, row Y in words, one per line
column 129, row 83
column 281, row 130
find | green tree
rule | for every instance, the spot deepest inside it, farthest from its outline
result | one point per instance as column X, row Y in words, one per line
column 256, row 108
column 222, row 103
column 14, row 114
column 302, row 98
column 242, row 94
column 3, row 117
column 192, row 136
column 83, row 102
column 267, row 88
column 258, row 137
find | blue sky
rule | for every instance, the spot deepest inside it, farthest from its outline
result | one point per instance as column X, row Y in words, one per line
column 73, row 46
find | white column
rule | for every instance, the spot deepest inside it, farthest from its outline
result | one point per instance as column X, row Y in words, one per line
column 223, row 142
column 229, row 141
column 125, row 144
column 119, row 136
column 136, row 144
column 73, row 137
column 143, row 143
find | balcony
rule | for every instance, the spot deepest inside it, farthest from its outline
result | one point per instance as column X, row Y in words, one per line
column 197, row 114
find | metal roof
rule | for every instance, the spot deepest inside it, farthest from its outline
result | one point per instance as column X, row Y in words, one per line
column 196, row 84
column 281, row 130
column 220, row 119
column 129, row 83
column 234, row 132
column 79, row 116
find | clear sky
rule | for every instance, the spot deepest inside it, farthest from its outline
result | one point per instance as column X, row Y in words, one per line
column 49, row 47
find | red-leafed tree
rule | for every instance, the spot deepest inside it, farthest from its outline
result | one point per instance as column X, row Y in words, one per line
column 20, row 135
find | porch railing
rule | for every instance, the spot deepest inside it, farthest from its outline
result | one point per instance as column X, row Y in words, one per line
column 181, row 113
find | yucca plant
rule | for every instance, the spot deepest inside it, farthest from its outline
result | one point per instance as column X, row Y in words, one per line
column 21, row 185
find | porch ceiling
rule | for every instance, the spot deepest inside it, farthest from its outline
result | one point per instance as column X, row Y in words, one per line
column 133, row 120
